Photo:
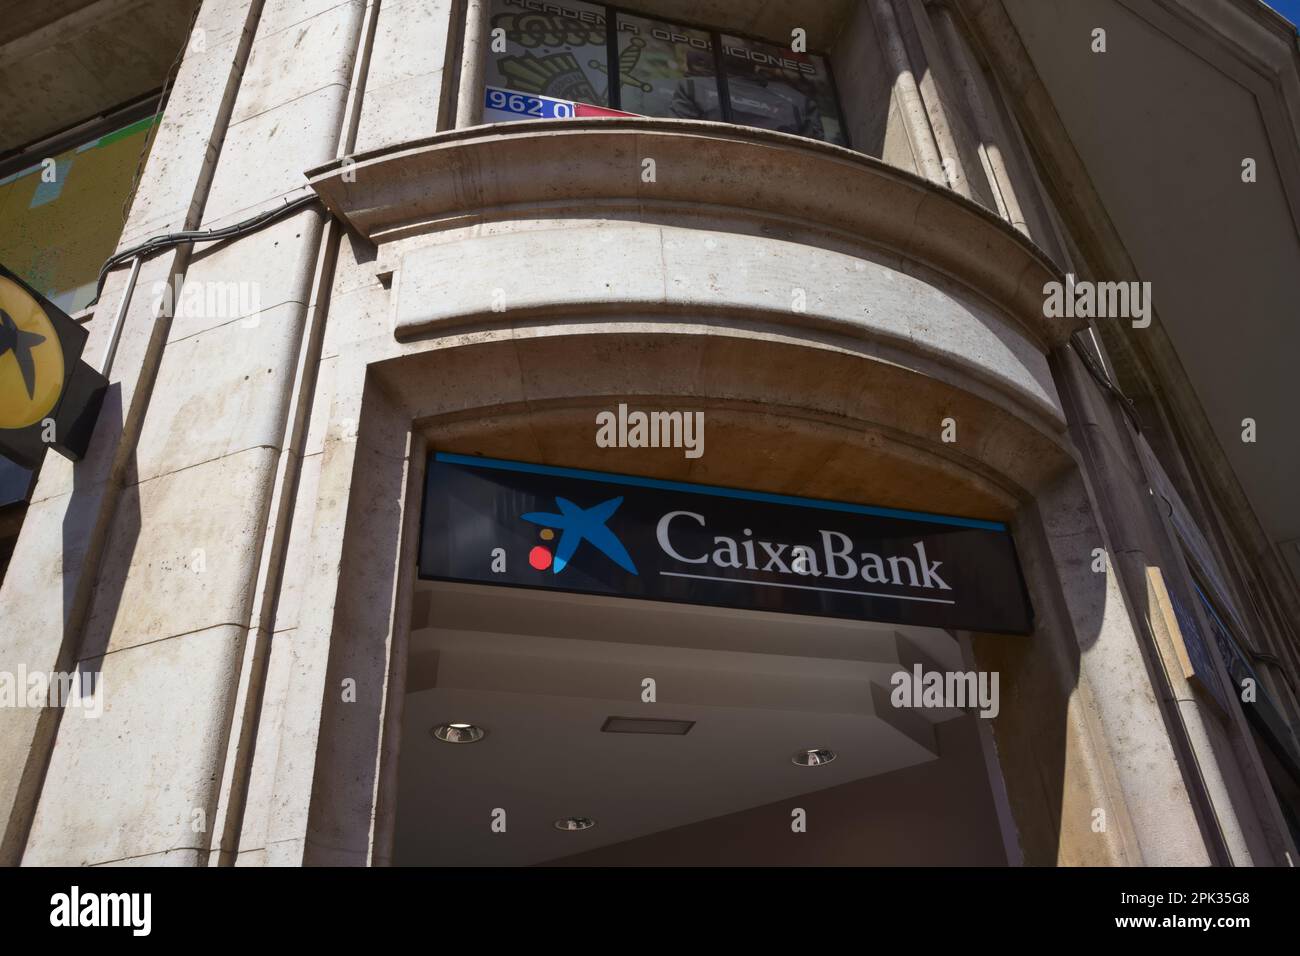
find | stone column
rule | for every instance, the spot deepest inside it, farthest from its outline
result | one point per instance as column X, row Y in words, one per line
column 187, row 555
column 473, row 62
column 990, row 148
column 59, row 562
column 909, row 95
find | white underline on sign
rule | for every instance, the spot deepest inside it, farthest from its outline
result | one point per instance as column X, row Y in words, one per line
column 805, row 587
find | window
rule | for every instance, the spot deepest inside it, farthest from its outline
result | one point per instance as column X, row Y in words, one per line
column 558, row 60
column 15, row 485
column 1276, row 740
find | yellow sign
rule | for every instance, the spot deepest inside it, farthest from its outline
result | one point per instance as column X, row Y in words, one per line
column 31, row 359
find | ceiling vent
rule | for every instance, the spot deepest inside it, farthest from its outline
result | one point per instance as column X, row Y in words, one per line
column 646, row 725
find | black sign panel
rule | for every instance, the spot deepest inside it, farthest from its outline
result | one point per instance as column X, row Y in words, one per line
column 505, row 522
column 48, row 396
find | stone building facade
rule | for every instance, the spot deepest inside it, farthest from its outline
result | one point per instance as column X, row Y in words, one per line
column 854, row 298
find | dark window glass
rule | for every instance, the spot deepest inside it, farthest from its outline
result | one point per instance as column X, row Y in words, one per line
column 15, row 482
column 1234, row 660
column 773, row 88
column 666, row 70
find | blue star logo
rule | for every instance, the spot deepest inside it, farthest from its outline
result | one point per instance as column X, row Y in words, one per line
column 579, row 524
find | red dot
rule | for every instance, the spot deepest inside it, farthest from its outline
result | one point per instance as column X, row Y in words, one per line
column 540, row 558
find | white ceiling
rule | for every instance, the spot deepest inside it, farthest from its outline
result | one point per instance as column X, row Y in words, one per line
column 542, row 671
column 1163, row 120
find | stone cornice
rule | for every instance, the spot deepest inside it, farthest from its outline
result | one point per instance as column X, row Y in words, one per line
column 592, row 168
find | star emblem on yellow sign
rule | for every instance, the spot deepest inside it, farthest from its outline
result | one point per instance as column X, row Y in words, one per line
column 31, row 359
column 49, row 397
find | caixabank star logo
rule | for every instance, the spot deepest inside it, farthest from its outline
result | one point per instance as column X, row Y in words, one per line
column 576, row 525
column 48, row 397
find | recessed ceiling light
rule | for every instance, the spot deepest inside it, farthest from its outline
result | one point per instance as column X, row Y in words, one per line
column 813, row 758
column 458, row 733
column 646, row 725
column 574, row 823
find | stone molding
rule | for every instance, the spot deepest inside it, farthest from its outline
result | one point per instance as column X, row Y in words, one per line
column 799, row 189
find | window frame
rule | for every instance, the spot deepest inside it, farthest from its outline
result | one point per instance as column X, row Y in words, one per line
column 615, row 95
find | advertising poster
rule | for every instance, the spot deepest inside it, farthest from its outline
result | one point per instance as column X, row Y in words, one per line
column 666, row 70
column 555, row 51
column 773, row 88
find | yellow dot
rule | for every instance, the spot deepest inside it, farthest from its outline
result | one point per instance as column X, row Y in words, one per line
column 547, row 534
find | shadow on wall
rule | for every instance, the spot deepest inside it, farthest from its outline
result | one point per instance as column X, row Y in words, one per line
column 107, row 585
column 84, row 508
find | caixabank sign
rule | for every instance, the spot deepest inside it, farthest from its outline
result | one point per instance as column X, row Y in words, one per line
column 506, row 522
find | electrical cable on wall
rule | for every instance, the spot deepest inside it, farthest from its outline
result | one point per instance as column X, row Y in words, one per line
column 158, row 243
column 1103, row 380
